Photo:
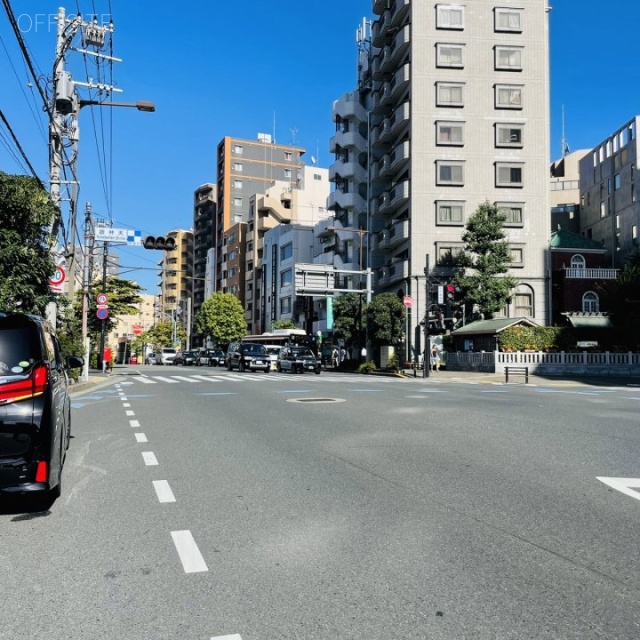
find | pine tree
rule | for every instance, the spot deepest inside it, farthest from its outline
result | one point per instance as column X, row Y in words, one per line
column 480, row 276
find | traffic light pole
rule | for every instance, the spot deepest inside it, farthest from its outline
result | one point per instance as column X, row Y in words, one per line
column 427, row 345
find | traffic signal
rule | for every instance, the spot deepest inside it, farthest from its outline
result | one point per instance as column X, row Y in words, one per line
column 450, row 291
column 159, row 242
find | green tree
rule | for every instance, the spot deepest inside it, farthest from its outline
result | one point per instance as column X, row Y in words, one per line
column 222, row 318
column 385, row 319
column 349, row 318
column 26, row 263
column 481, row 266
column 283, row 324
column 161, row 335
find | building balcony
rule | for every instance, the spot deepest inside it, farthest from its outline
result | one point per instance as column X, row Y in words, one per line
column 397, row 271
column 398, row 233
column 391, row 200
column 394, row 53
column 349, row 107
column 349, row 200
column 383, row 136
column 399, row 121
column 399, row 158
column 400, row 82
column 379, row 30
column 379, row 6
column 400, row 13
column 591, row 274
column 347, row 170
column 346, row 140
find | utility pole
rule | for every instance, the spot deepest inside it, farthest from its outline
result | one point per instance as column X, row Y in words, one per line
column 86, row 278
column 427, row 343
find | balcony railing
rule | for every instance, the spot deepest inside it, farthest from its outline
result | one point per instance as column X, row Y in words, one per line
column 591, row 274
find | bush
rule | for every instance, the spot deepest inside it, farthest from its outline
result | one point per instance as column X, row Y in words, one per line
column 367, row 367
column 519, row 338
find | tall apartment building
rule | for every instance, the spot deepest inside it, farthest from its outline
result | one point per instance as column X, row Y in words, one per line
column 244, row 168
column 610, row 212
column 176, row 276
column 458, row 114
column 204, row 221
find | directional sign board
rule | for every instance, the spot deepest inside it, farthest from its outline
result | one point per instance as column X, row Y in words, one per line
column 126, row 236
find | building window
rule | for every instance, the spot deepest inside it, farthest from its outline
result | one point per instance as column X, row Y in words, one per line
column 590, row 302
column 578, row 262
column 317, row 176
column 449, row 16
column 285, row 305
column 287, row 173
column 237, row 166
column 237, row 202
column 634, row 232
column 286, row 252
column 450, row 212
column 517, row 256
column 508, row 96
column 449, row 173
column 288, row 156
column 509, row 174
column 508, row 58
column 238, row 149
column 512, row 212
column 449, row 94
column 447, row 252
column 286, row 278
column 523, row 305
column 616, row 182
column 450, row 133
column 237, row 184
column 509, row 135
column 603, row 209
column 449, row 55
column 508, row 20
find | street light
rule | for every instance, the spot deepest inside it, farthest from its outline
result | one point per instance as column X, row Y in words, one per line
column 140, row 105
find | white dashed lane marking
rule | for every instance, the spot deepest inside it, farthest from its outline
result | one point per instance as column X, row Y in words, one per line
column 134, row 423
column 190, row 556
column 163, row 491
column 141, row 437
column 149, row 458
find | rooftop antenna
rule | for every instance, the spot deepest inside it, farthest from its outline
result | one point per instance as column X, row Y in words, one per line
column 294, row 133
column 565, row 145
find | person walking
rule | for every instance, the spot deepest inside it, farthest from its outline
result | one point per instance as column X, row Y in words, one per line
column 335, row 358
column 435, row 359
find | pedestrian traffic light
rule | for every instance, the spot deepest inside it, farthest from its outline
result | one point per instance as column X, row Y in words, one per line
column 450, row 289
column 159, row 242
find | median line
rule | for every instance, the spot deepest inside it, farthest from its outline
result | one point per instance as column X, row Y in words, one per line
column 190, row 556
column 163, row 491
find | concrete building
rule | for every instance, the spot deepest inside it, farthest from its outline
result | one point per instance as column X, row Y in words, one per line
column 128, row 327
column 458, row 114
column 304, row 205
column 244, row 168
column 610, row 212
column 564, row 197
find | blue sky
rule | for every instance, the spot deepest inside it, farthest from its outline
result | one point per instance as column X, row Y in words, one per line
column 215, row 68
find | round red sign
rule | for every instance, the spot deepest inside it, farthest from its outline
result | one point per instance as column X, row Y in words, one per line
column 407, row 301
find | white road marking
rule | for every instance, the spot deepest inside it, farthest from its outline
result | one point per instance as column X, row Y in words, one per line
column 145, row 380
column 624, row 485
column 141, row 437
column 134, row 423
column 234, row 636
column 126, row 404
column 206, row 378
column 190, row 556
column 130, row 413
column 149, row 458
column 169, row 380
column 185, row 378
column 163, row 491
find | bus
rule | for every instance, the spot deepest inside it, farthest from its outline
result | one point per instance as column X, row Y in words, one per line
column 281, row 337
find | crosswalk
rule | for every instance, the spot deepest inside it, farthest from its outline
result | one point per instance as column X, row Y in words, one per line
column 248, row 378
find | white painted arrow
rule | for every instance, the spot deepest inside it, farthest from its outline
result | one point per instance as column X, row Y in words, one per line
column 627, row 486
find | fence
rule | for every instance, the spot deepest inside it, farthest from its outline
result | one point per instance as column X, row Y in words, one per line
column 583, row 363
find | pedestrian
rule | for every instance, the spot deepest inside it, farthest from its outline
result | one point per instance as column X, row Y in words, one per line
column 335, row 358
column 106, row 360
column 435, row 359
column 343, row 355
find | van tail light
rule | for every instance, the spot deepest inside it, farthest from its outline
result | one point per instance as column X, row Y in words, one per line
column 42, row 471
column 31, row 387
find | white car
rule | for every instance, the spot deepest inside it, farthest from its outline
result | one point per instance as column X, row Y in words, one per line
column 165, row 355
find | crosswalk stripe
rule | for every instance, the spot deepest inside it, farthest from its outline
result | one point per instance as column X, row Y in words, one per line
column 207, row 378
column 169, row 380
column 185, row 378
column 146, row 380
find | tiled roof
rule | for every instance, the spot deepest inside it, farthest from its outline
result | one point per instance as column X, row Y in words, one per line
column 562, row 239
column 492, row 326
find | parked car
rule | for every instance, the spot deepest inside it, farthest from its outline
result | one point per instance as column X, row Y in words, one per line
column 185, row 358
column 248, row 356
column 150, row 359
column 273, row 350
column 35, row 408
column 211, row 358
column 166, row 355
column 298, row 360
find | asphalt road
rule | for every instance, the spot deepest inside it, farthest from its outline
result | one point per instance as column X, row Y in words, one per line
column 198, row 504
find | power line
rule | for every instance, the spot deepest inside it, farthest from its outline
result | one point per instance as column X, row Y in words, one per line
column 20, row 149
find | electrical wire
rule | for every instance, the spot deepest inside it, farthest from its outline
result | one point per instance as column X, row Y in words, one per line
column 20, row 149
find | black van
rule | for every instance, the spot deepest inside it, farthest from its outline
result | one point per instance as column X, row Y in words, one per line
column 35, row 409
